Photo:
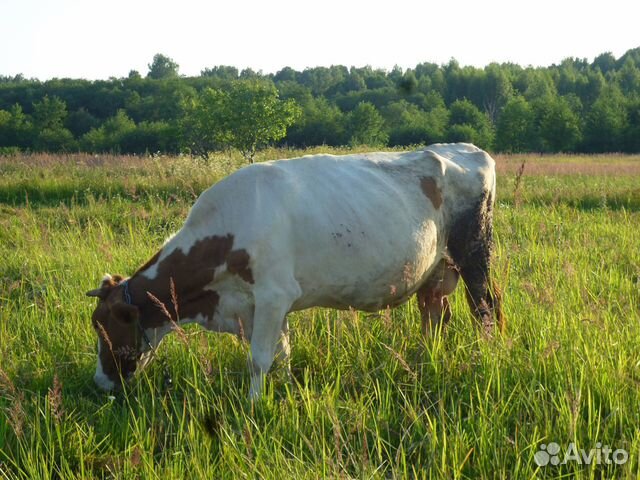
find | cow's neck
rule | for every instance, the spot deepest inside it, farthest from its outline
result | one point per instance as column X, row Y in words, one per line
column 191, row 270
column 160, row 303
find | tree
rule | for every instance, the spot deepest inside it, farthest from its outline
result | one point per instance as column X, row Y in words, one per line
column 408, row 83
column 410, row 125
column 162, row 67
column 628, row 77
column 468, row 124
column 254, row 116
column 365, row 126
column 538, row 85
column 287, row 74
column 15, row 128
column 108, row 137
column 248, row 117
column 497, row 90
column 605, row 62
column 606, row 122
column 149, row 137
column 49, row 113
column 321, row 123
column 558, row 125
column 632, row 130
column 80, row 122
column 50, row 133
column 515, row 128
column 222, row 72
column 202, row 126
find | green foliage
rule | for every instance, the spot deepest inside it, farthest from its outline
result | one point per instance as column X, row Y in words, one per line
column 49, row 113
column 468, row 124
column 162, row 67
column 222, row 72
column 16, row 129
column 80, row 122
column 558, row 126
column 150, row 137
column 632, row 130
column 606, row 121
column 515, row 129
column 628, row 78
column 50, row 135
column 54, row 140
column 248, row 116
column 408, row 124
column 109, row 136
column 408, row 83
column 320, row 123
column 254, row 116
column 365, row 126
column 563, row 107
column 202, row 126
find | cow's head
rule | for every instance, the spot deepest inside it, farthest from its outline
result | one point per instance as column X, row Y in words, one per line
column 116, row 322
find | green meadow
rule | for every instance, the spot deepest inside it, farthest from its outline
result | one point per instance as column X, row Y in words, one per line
column 370, row 398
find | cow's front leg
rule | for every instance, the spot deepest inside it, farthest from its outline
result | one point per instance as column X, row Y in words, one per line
column 267, row 336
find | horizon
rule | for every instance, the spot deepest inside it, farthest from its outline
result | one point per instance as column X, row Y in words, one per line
column 263, row 73
column 73, row 39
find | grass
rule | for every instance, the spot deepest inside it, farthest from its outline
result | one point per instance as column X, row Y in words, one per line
column 371, row 398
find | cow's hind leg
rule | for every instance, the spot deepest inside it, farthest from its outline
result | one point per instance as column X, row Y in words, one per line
column 432, row 296
column 470, row 245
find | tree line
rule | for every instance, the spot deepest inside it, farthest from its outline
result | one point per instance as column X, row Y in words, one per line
column 576, row 106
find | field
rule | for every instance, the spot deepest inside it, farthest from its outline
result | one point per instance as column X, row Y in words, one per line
column 371, row 398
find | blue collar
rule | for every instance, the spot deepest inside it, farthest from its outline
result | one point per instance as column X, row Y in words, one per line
column 127, row 293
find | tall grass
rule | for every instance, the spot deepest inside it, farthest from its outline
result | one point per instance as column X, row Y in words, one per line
column 370, row 397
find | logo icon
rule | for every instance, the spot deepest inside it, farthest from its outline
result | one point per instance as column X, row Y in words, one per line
column 548, row 454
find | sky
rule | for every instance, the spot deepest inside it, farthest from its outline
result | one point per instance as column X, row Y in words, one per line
column 100, row 39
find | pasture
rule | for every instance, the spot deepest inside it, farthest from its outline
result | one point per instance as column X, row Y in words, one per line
column 371, row 398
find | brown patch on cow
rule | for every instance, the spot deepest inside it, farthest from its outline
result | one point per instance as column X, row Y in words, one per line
column 191, row 273
column 238, row 264
column 203, row 302
column 149, row 263
column 431, row 190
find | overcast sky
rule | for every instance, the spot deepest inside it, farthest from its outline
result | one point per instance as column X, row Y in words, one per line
column 99, row 39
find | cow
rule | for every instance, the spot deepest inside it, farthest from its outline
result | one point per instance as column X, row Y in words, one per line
column 363, row 231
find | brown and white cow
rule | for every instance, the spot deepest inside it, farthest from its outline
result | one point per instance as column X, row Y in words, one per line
column 362, row 231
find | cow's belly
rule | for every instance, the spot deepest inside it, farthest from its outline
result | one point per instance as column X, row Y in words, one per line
column 367, row 274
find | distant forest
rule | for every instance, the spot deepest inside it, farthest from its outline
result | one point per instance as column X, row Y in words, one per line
column 576, row 106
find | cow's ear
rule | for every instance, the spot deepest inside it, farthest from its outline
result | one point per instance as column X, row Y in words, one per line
column 125, row 313
column 101, row 293
column 108, row 282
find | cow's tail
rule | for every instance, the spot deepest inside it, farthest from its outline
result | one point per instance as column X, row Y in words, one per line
column 471, row 247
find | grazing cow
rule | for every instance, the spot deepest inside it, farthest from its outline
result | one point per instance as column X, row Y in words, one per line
column 363, row 231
